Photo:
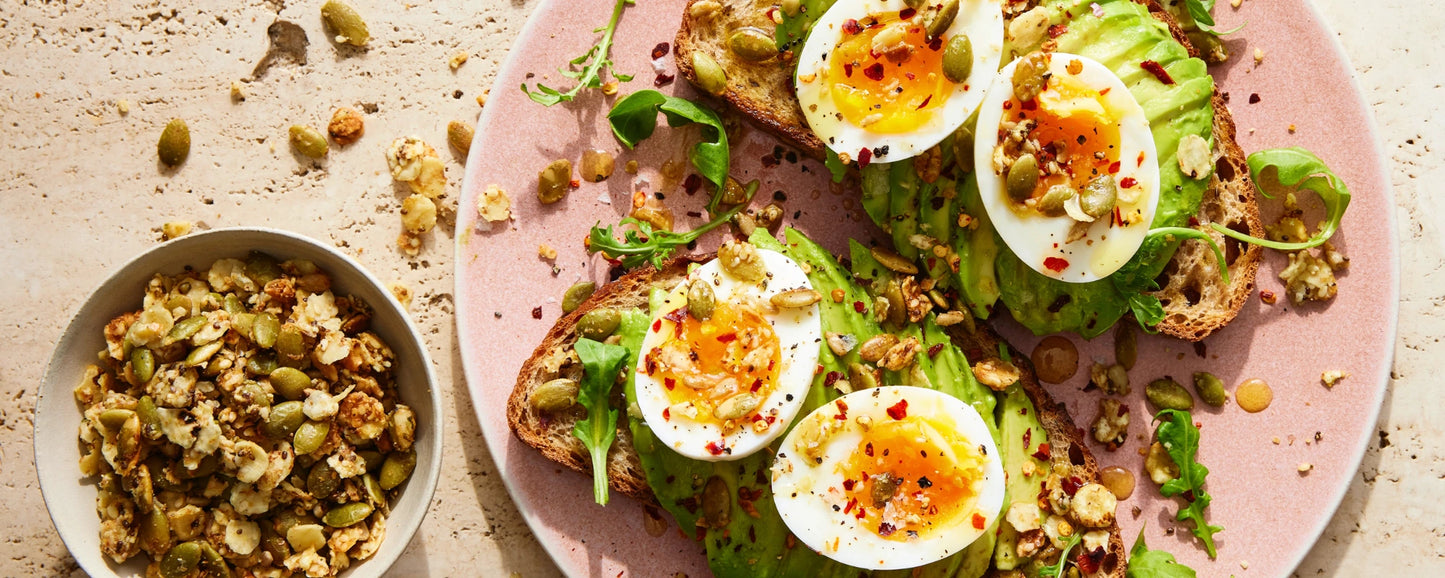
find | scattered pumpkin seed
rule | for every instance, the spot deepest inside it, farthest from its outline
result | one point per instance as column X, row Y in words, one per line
column 397, row 469
column 752, row 44
column 701, row 301
column 555, row 395
column 938, row 17
column 1097, row 198
column 181, row 560
column 345, row 23
column 716, row 503
column 459, row 136
column 598, row 324
column 1023, row 176
column 290, row 382
column 142, row 364
column 893, row 261
column 710, row 75
column 554, row 181
column 309, row 141
column 576, row 294
column 310, row 436
column 322, row 480
column 1166, row 393
column 958, row 57
column 175, row 143
column 1126, row 345
column 1210, row 388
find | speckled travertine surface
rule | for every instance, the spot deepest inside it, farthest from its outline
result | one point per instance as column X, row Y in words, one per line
column 81, row 191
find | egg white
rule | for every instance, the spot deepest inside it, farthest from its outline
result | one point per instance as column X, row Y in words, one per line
column 981, row 20
column 799, row 333
column 1035, row 237
column 806, row 492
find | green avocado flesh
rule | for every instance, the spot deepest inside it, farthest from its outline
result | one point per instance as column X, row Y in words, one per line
column 750, row 539
column 1122, row 38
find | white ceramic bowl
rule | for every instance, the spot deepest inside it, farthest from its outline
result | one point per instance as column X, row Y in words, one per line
column 70, row 497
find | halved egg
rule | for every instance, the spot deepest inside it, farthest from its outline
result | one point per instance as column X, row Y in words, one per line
column 721, row 380
column 1067, row 166
column 889, row 477
column 880, row 81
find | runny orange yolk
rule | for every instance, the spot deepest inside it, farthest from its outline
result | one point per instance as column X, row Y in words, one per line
column 932, row 475
column 1077, row 129
column 892, row 92
column 735, row 351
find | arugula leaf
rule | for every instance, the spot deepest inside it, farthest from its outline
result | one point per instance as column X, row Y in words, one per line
column 1199, row 10
column 634, row 118
column 1133, row 280
column 593, row 62
column 600, row 366
column 1146, row 563
column 1057, row 570
column 835, row 165
column 1301, row 169
column 643, row 245
column 1180, row 438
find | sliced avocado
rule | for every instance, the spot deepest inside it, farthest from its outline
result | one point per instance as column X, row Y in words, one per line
column 875, row 185
column 904, row 190
column 1022, row 434
column 977, row 248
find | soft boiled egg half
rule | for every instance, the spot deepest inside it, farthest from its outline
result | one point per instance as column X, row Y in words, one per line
column 1067, row 167
column 889, row 477
column 721, row 381
column 880, row 81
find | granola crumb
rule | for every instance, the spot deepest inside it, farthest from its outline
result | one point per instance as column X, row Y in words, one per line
column 409, row 243
column 122, row 106
column 1305, row 467
column 1332, row 377
column 457, row 60
column 1291, row 129
column 630, row 167
column 238, row 92
column 1235, row 3
column 1268, row 297
column 173, row 229
column 546, row 252
column 401, row 292
column 1275, row 440
column 482, row 98
column 610, row 88
column 494, row 204
column 1258, row 56
column 1243, row 564
column 346, row 126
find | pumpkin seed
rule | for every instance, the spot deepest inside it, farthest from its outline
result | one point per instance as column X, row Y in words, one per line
column 212, row 561
column 1166, row 393
column 875, row 347
column 1031, row 76
column 710, row 75
column 262, row 268
column 232, row 304
column 310, row 436
column 291, row 345
column 274, row 544
column 716, row 503
column 396, row 469
column 752, row 44
column 597, row 165
column 291, row 383
column 155, row 531
column 112, row 420
column 1097, row 198
column 261, row 363
column 1023, row 176
column 736, row 193
column 897, row 312
column 373, row 489
column 893, row 261
column 598, row 324
column 555, row 395
column 884, row 486
column 958, row 58
column 265, row 330
column 459, row 136
column 1210, row 388
column 371, row 458
column 285, row 418
column 200, row 355
column 175, row 143
column 322, row 481
column 576, row 294
column 1052, row 203
column 701, row 301
column 1126, row 345
column 150, row 417
column 937, row 19
column 181, row 560
column 309, row 141
column 796, row 298
column 737, row 406
column 554, row 181
column 345, row 23
column 184, row 329
column 963, row 147
column 347, row 514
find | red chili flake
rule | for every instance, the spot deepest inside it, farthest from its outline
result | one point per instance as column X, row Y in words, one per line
column 1058, row 30
column 831, row 378
column 676, row 315
column 660, row 50
column 868, row 449
column 1128, row 182
column 848, row 69
column 816, row 370
column 874, row 71
column 757, row 417
column 1157, row 70
column 1114, row 168
column 575, row 183
column 663, row 79
column 851, row 26
column 859, row 306
column 1105, row 90
column 537, row 312
column 667, row 414
column 899, row 410
column 925, row 102
column 1028, row 433
column 757, row 384
column 669, row 383
column 1268, row 297
column 865, row 156
column 842, row 411
column 1140, row 161
column 1008, row 105
column 979, row 522
column 852, row 503
column 770, row 419
column 714, row 448
column 692, row 183
column 1118, row 219
column 657, row 326
column 1043, row 453
column 906, row 13
column 1071, row 485
column 848, row 484
column 1055, row 264
column 727, row 337
column 1089, row 561
column 885, row 529
column 1029, row 105
column 933, row 351
column 1193, row 221
column 937, row 44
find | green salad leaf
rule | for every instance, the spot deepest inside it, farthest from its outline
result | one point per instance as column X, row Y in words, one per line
column 641, row 244
column 1180, row 438
column 1146, row 563
column 836, row 168
column 1057, row 570
column 634, row 118
column 593, row 63
column 600, row 366
column 1301, row 169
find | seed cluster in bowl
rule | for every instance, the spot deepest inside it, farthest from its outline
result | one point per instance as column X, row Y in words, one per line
column 246, row 418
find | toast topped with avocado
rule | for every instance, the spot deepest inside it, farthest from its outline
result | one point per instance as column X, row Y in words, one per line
column 932, row 202
column 1053, row 505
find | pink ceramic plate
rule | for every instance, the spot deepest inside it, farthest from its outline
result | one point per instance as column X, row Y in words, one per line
column 1271, row 512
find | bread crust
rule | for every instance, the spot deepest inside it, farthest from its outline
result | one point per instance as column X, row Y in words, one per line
column 1197, row 302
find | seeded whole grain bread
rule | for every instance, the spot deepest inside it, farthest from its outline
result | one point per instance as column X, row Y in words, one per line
column 1197, row 301
column 551, row 433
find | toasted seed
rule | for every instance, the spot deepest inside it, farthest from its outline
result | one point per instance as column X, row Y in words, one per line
column 700, row 300
column 893, row 261
column 555, row 395
column 261, row 363
column 1097, row 198
column 938, row 17
column 716, row 503
column 265, row 330
column 752, row 44
column 262, row 268
column 184, row 329
column 598, row 324
column 142, row 364
column 345, row 23
column 554, row 181
column 769, row 217
column 274, row 544
column 202, row 354
column 1166, row 393
column 322, row 480
column 371, row 458
column 963, row 148
column 155, row 531
column 897, row 313
column 113, row 419
column 949, row 318
column 175, row 143
column 861, row 377
column 213, row 563
column 150, row 417
column 710, row 75
column 309, row 141
column 796, row 298
column 396, row 469
column 736, row 193
column 1052, row 203
column 875, row 347
column 576, row 294
column 181, row 560
column 884, row 486
column 597, row 165
column 840, row 343
column 373, row 490
column 459, row 136
column 1126, row 345
column 291, row 345
column 958, row 57
column 1031, row 76
column 310, row 436
column 737, row 406
column 742, row 260
column 1023, row 176
column 291, row 383
column 1210, row 388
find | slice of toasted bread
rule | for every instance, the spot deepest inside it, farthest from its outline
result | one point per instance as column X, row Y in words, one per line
column 551, row 433
column 1196, row 299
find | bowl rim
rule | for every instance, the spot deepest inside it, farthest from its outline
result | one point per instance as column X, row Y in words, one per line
column 378, row 564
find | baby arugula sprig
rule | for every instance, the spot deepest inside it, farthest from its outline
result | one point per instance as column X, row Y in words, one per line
column 1180, row 438
column 600, row 366
column 593, row 62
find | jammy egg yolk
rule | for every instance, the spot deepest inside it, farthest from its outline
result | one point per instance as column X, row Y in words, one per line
column 907, row 478
column 886, row 77
column 1076, row 129
column 734, row 351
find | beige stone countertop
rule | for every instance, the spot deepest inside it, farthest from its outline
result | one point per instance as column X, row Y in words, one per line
column 81, row 191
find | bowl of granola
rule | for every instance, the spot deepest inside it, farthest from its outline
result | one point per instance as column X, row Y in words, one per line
column 240, row 400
